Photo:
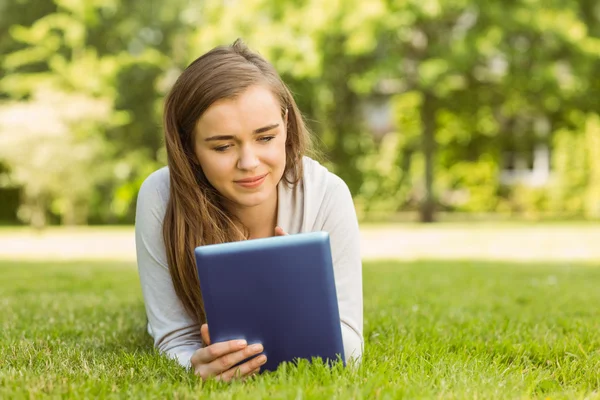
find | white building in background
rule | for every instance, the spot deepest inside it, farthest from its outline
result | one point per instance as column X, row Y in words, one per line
column 522, row 173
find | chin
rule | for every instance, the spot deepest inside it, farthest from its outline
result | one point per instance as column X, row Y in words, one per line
column 251, row 200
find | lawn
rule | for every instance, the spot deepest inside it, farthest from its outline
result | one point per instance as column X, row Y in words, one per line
column 433, row 329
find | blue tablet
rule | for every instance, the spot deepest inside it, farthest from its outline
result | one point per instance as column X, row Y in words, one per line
column 278, row 291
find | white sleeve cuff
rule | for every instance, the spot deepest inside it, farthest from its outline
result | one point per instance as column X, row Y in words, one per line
column 183, row 355
column 353, row 345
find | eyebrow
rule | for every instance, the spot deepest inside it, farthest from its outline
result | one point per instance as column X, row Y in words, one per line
column 229, row 137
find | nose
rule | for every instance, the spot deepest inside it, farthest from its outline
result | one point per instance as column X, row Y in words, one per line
column 248, row 159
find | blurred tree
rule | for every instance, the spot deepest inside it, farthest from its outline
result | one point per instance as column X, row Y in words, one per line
column 53, row 156
column 19, row 12
column 551, row 53
column 151, row 40
column 443, row 52
column 576, row 161
column 124, row 43
column 484, row 79
column 485, row 75
column 468, row 81
column 49, row 78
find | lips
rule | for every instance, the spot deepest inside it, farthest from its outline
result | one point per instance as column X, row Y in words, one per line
column 251, row 180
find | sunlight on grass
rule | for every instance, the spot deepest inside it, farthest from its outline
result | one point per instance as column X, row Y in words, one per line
column 432, row 329
column 500, row 241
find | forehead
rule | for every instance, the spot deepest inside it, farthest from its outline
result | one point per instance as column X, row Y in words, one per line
column 254, row 108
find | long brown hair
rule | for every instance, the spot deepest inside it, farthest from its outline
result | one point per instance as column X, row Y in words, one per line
column 195, row 215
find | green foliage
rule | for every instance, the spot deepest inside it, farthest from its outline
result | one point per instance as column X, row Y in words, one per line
column 52, row 156
column 382, row 188
column 87, row 133
column 497, row 78
column 531, row 202
column 576, row 162
column 471, row 186
column 394, row 171
column 55, row 155
column 592, row 136
column 432, row 329
column 388, row 169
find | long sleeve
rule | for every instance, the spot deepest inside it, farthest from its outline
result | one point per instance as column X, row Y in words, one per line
column 340, row 221
column 174, row 331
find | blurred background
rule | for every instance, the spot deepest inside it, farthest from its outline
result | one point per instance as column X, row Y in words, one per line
column 428, row 109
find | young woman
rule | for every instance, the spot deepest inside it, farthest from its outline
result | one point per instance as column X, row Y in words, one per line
column 237, row 170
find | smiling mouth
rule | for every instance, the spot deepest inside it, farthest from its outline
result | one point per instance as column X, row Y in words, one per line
column 251, row 180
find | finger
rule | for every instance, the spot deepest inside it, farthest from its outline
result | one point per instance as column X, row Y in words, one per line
column 252, row 373
column 205, row 335
column 244, row 370
column 217, row 350
column 279, row 231
column 226, row 362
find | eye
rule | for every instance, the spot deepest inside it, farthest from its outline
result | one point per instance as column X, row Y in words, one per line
column 266, row 138
column 221, row 149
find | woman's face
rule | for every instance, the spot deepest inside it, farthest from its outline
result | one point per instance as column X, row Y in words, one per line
column 240, row 145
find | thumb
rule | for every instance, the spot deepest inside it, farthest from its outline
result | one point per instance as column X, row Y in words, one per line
column 205, row 335
column 279, row 231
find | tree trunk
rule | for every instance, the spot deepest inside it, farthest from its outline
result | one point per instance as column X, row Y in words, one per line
column 343, row 115
column 75, row 213
column 427, row 210
column 37, row 211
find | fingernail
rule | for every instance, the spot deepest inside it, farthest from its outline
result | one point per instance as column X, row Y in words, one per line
column 262, row 359
column 257, row 347
column 242, row 343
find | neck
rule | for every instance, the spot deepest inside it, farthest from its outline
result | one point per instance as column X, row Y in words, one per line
column 261, row 219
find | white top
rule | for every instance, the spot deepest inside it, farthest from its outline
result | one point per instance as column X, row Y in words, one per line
column 320, row 202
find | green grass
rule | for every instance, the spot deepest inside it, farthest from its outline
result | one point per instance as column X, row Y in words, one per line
column 432, row 329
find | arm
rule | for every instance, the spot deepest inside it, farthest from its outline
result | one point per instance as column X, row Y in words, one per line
column 174, row 332
column 339, row 220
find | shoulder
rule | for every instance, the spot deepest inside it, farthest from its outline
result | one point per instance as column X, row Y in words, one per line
column 328, row 200
column 154, row 191
column 319, row 198
column 323, row 183
column 158, row 181
column 326, row 196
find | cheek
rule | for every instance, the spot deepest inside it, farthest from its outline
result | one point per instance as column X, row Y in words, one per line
column 279, row 152
column 275, row 157
column 215, row 166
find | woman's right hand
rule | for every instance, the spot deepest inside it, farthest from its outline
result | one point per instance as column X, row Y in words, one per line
column 218, row 360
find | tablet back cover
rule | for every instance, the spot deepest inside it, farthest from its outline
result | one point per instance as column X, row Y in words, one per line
column 277, row 291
